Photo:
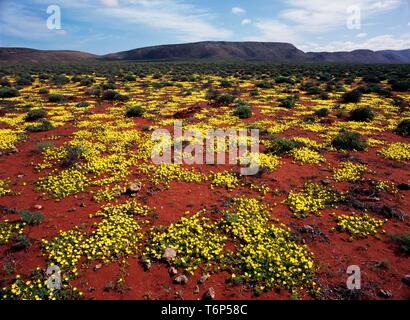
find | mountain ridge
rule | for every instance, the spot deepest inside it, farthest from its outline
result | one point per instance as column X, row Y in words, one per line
column 210, row 50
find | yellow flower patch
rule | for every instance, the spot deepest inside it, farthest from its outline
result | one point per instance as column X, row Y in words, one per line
column 306, row 155
column 117, row 235
column 9, row 229
column 396, row 151
column 226, row 179
column 196, row 240
column 312, row 199
column 266, row 256
column 359, row 226
column 4, row 188
column 349, row 172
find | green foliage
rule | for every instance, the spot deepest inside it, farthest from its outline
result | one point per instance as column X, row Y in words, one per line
column 403, row 128
column 363, row 114
column 56, row 98
column 36, row 114
column 243, row 111
column 31, row 218
column 404, row 242
column 43, row 125
column 349, row 141
column 113, row 95
column 134, row 111
column 353, row 96
column 7, row 92
column 225, row 98
column 83, row 104
column 323, row 112
column 279, row 145
column 288, row 102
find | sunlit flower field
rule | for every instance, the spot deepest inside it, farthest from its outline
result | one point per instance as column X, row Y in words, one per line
column 80, row 192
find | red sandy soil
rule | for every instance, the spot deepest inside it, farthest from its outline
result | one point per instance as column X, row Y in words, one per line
column 332, row 256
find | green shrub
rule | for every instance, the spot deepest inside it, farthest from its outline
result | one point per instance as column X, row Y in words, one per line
column 404, row 242
column 31, row 218
column 280, row 145
column 323, row 112
column 264, row 85
column 60, row 80
column 225, row 98
column 212, row 94
column 243, row 111
column 114, row 95
column 7, row 92
column 21, row 242
column 129, row 77
column 36, row 114
column 288, row 102
column 83, row 104
column 135, row 111
column 43, row 91
column 41, row 146
column 226, row 83
column 401, row 86
column 403, row 128
column 254, row 93
column 363, row 114
column 353, row 96
column 73, row 156
column 56, row 98
column 43, row 125
column 349, row 141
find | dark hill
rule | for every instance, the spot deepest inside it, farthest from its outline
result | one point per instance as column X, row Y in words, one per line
column 214, row 51
column 211, row 50
column 25, row 55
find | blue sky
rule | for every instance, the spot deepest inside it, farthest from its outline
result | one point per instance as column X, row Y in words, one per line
column 104, row 26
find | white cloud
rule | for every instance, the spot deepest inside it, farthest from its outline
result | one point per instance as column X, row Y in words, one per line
column 382, row 42
column 275, row 31
column 245, row 22
column 238, row 10
column 16, row 21
column 303, row 19
column 109, row 3
column 186, row 21
column 319, row 16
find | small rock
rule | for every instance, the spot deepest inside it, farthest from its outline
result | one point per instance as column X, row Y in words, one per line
column 38, row 207
column 210, row 294
column 172, row 271
column 203, row 278
column 326, row 182
column 384, row 293
column 404, row 186
column 406, row 280
column 20, row 176
column 308, row 229
column 179, row 295
column 72, row 209
column 169, row 254
column 147, row 265
column 134, row 187
column 1, row 153
column 82, row 205
column 374, row 198
column 181, row 279
column 98, row 267
column 196, row 289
